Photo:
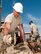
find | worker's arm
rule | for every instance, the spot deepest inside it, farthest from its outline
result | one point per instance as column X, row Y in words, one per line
column 22, row 31
column 7, row 28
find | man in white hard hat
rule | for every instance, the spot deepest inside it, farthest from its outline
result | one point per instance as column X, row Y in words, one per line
column 13, row 20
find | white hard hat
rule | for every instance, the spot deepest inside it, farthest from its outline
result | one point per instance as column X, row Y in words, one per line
column 18, row 7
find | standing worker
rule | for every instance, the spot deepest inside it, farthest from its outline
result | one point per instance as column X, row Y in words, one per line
column 13, row 20
column 34, row 31
column 35, row 41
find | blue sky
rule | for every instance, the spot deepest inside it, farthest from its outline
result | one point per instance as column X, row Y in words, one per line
column 31, row 11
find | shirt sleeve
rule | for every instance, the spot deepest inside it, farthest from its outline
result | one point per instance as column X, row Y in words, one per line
column 8, row 19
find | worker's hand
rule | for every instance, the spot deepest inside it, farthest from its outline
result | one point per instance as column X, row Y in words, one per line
column 25, row 43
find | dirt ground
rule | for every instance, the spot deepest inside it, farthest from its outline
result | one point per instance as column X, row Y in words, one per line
column 18, row 49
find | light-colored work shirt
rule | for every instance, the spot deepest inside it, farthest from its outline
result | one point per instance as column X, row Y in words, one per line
column 34, row 28
column 13, row 20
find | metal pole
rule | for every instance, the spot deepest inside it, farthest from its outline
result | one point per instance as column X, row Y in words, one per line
column 0, row 10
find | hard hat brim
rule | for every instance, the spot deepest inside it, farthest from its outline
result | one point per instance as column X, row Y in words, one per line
column 17, row 10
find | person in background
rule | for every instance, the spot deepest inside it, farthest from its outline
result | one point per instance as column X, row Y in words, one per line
column 34, row 31
column 35, row 38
